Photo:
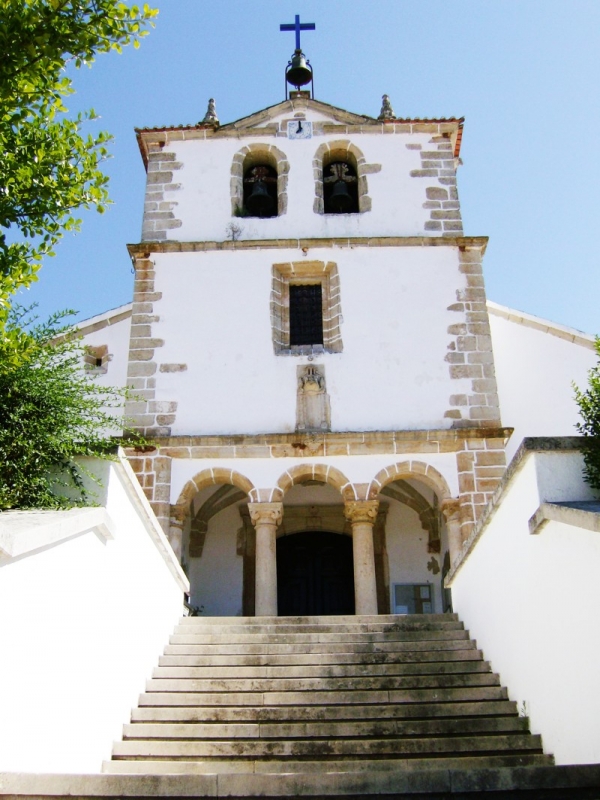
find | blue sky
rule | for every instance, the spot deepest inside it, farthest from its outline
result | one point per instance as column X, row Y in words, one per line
column 524, row 73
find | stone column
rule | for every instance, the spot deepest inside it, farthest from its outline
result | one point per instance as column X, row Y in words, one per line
column 362, row 515
column 450, row 509
column 265, row 518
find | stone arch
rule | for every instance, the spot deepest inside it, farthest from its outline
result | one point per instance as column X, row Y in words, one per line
column 247, row 157
column 342, row 150
column 317, row 472
column 207, row 477
column 410, row 469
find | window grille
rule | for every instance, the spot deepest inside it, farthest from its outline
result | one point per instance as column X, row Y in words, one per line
column 306, row 314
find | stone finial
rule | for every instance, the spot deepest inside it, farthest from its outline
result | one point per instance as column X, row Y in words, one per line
column 387, row 112
column 210, row 118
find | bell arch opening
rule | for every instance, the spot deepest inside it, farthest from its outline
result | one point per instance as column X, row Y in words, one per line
column 340, row 183
column 340, row 172
column 259, row 176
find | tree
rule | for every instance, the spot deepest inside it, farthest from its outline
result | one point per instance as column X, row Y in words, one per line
column 51, row 410
column 49, row 169
column 589, row 410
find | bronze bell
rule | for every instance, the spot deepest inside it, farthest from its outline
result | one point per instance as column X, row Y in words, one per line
column 298, row 73
column 340, row 199
column 260, row 203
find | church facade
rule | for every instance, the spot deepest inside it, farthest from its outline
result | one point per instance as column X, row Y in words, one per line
column 316, row 364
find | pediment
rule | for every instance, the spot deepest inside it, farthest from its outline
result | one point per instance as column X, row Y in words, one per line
column 313, row 109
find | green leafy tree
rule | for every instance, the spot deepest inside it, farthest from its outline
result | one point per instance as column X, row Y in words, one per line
column 588, row 401
column 51, row 410
column 49, row 169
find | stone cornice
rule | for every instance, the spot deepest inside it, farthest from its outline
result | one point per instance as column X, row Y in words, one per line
column 311, row 445
column 144, row 249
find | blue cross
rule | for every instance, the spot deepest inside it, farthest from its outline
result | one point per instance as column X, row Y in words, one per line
column 307, row 26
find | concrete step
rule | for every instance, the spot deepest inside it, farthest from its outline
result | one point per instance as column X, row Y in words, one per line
column 233, row 714
column 342, row 619
column 436, row 695
column 316, row 748
column 269, row 647
column 297, row 659
column 322, row 671
column 328, row 730
column 283, row 630
column 354, row 637
column 307, row 767
column 322, row 684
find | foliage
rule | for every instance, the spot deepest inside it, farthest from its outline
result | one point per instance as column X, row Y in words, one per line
column 49, row 169
column 589, row 410
column 51, row 410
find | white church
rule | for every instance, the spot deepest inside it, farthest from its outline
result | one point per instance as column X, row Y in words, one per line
column 349, row 443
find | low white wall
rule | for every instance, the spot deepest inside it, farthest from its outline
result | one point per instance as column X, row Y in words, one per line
column 532, row 604
column 88, row 598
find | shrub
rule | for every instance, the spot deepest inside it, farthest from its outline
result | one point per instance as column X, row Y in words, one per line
column 589, row 410
column 51, row 410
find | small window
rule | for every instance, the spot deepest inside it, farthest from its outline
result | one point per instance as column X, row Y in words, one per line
column 260, row 191
column 96, row 358
column 340, row 188
column 306, row 314
column 413, row 598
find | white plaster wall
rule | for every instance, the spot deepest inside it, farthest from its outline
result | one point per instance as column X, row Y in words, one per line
column 82, row 624
column 532, row 604
column 116, row 337
column 216, row 578
column 535, row 371
column 264, row 473
column 406, row 543
column 204, row 198
column 215, row 317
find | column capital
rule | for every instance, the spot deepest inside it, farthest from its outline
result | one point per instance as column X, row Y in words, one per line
column 450, row 508
column 361, row 510
column 265, row 513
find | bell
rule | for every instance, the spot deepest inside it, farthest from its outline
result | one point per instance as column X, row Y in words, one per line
column 298, row 73
column 340, row 200
column 260, row 203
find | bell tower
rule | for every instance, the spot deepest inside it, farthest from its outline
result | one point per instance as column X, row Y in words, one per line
column 310, row 337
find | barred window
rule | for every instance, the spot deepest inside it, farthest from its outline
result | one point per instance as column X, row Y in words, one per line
column 306, row 314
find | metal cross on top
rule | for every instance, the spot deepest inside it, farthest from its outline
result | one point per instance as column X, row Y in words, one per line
column 297, row 26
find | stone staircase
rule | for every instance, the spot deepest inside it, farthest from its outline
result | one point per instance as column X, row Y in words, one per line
column 323, row 694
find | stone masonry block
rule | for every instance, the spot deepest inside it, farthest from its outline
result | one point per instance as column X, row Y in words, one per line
column 465, row 371
column 466, row 343
column 159, row 177
column 466, row 482
column 163, row 407
column 490, row 458
column 436, row 193
column 458, row 399
column 455, row 358
column 483, row 412
column 465, row 461
column 141, row 368
column 433, row 225
column 173, row 367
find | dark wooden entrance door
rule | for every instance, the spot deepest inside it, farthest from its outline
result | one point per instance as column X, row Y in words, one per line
column 315, row 574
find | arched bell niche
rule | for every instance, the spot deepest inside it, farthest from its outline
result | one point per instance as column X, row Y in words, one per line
column 340, row 184
column 259, row 176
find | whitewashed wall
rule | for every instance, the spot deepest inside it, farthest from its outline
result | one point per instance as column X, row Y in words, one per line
column 535, row 371
column 83, row 620
column 407, row 552
column 532, row 603
column 264, row 473
column 216, row 578
column 215, row 317
column 204, row 183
